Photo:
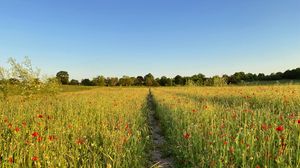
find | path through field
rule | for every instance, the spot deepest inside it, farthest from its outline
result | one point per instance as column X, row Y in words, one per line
column 157, row 156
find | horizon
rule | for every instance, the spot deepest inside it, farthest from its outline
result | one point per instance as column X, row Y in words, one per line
column 166, row 38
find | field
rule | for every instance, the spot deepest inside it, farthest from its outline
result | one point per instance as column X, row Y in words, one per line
column 238, row 126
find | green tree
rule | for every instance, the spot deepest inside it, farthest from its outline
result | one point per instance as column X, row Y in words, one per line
column 22, row 78
column 139, row 81
column 198, row 79
column 63, row 77
column 74, row 82
column 178, row 80
column 86, row 82
column 112, row 81
column 99, row 81
column 126, row 81
column 149, row 79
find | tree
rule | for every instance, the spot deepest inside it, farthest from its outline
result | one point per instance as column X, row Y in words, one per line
column 139, row 81
column 163, row 81
column 156, row 82
column 99, row 81
column 198, row 79
column 219, row 81
column 24, row 79
column 178, row 80
column 261, row 76
column 126, row 81
column 63, row 77
column 86, row 82
column 149, row 79
column 112, row 81
column 237, row 77
column 74, row 82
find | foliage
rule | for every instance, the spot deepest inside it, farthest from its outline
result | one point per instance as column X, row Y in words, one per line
column 86, row 82
column 74, row 82
column 149, row 79
column 99, row 81
column 22, row 79
column 63, row 77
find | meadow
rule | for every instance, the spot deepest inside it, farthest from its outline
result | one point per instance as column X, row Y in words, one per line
column 233, row 126
column 92, row 128
column 254, row 126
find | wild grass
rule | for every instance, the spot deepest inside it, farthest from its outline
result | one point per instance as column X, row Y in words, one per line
column 94, row 128
column 231, row 126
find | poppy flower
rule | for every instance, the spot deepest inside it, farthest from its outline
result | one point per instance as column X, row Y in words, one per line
column 264, row 127
column 51, row 138
column 35, row 134
column 34, row 158
column 194, row 110
column 40, row 116
column 225, row 142
column 127, row 126
column 280, row 128
column 39, row 139
column 80, row 141
column 10, row 160
column 186, row 136
column 17, row 129
column 298, row 121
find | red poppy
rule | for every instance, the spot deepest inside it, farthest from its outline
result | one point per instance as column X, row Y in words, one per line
column 298, row 121
column 51, row 137
column 35, row 134
column 280, row 128
column 194, row 110
column 40, row 116
column 127, row 126
column 264, row 127
column 186, row 136
column 80, row 141
column 17, row 129
column 10, row 160
column 257, row 166
column 225, row 142
column 39, row 139
column 34, row 158
column 205, row 107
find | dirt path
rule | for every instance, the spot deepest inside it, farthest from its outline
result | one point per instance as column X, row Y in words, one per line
column 157, row 156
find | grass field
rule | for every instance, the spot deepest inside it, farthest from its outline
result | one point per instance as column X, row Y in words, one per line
column 244, row 126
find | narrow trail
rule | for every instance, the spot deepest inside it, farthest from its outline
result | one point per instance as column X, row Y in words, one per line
column 157, row 156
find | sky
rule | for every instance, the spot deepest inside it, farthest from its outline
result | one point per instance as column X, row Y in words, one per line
column 165, row 37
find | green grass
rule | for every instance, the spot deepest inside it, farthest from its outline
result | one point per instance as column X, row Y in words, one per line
column 75, row 88
column 273, row 82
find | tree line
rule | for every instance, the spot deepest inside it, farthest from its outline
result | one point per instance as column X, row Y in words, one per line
column 194, row 80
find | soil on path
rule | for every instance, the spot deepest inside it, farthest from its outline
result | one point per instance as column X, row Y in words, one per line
column 157, row 156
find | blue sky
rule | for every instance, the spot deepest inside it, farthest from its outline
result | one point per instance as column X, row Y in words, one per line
column 164, row 37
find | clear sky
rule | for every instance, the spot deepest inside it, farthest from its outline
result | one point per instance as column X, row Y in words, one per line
column 164, row 37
